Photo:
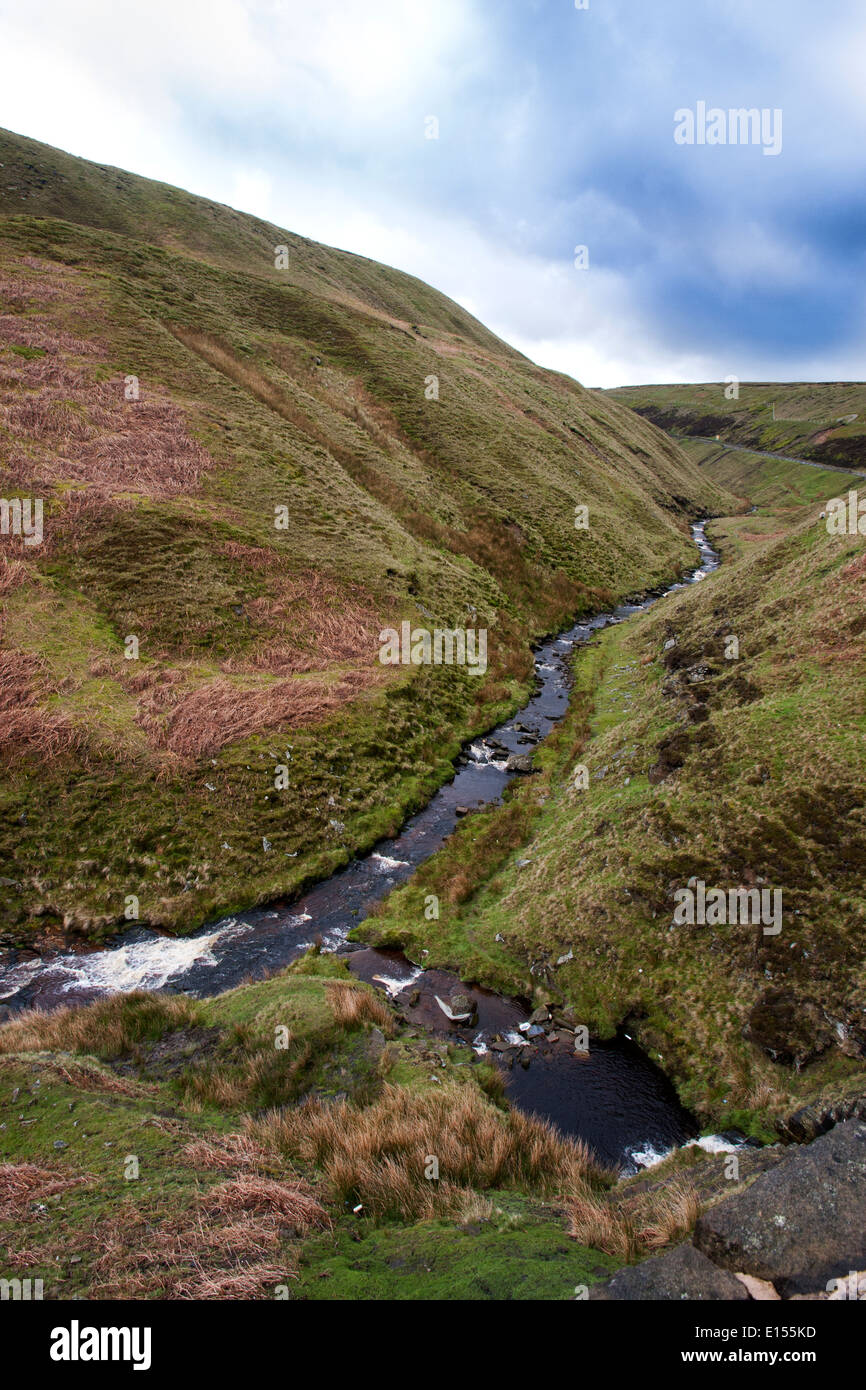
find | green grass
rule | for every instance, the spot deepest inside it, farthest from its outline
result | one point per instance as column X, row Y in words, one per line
column 767, row 781
column 451, row 512
column 813, row 420
column 518, row 1252
column 168, row 1082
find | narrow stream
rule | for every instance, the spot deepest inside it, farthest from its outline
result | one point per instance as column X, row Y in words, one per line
column 613, row 1096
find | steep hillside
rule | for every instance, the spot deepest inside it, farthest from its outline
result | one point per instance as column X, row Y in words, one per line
column 247, row 472
column 738, row 764
column 824, row 420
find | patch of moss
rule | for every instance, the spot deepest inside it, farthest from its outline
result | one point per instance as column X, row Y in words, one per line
column 520, row 1252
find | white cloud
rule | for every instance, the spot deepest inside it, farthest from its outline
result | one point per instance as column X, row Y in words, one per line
column 311, row 112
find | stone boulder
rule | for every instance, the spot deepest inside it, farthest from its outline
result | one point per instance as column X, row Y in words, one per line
column 677, row 1275
column 800, row 1224
column 520, row 762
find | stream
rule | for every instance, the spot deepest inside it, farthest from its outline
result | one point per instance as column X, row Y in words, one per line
column 613, row 1096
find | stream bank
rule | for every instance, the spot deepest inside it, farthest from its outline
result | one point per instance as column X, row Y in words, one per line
column 612, row 1096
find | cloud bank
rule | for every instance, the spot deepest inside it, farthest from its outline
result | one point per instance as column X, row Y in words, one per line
column 554, row 130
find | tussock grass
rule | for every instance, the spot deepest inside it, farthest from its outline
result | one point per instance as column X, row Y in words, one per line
column 629, row 1228
column 252, row 1075
column 354, row 1005
column 377, row 1156
column 108, row 1028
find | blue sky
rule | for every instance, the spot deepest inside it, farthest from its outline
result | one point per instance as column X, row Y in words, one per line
column 556, row 130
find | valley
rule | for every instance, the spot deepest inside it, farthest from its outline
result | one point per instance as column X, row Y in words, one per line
column 373, row 967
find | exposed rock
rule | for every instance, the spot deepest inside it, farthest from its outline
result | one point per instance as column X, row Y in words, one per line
column 680, row 1274
column 804, row 1126
column 465, row 1017
column 520, row 762
column 462, row 1006
column 761, row 1290
column 800, row 1224
column 696, row 674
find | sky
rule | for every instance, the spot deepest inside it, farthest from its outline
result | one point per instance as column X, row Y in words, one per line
column 479, row 143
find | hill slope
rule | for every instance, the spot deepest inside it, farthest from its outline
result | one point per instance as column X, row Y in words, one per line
column 247, row 473
column 824, row 420
column 736, row 766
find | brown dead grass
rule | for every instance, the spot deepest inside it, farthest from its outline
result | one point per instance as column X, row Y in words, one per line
column 232, row 1241
column 191, row 1256
column 353, row 1006
column 12, row 573
column 293, row 1204
column 227, row 1153
column 633, row 1226
column 319, row 621
column 61, row 424
column 86, row 1077
column 377, row 1155
column 201, row 721
column 110, row 1027
column 230, row 1244
column 22, row 1184
column 26, row 724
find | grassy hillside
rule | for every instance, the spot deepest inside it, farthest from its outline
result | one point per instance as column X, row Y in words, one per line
column 824, row 421
column 739, row 770
column 250, row 471
column 776, row 493
column 274, row 1141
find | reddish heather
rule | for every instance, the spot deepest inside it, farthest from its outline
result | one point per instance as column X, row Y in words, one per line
column 197, row 723
column 65, row 426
